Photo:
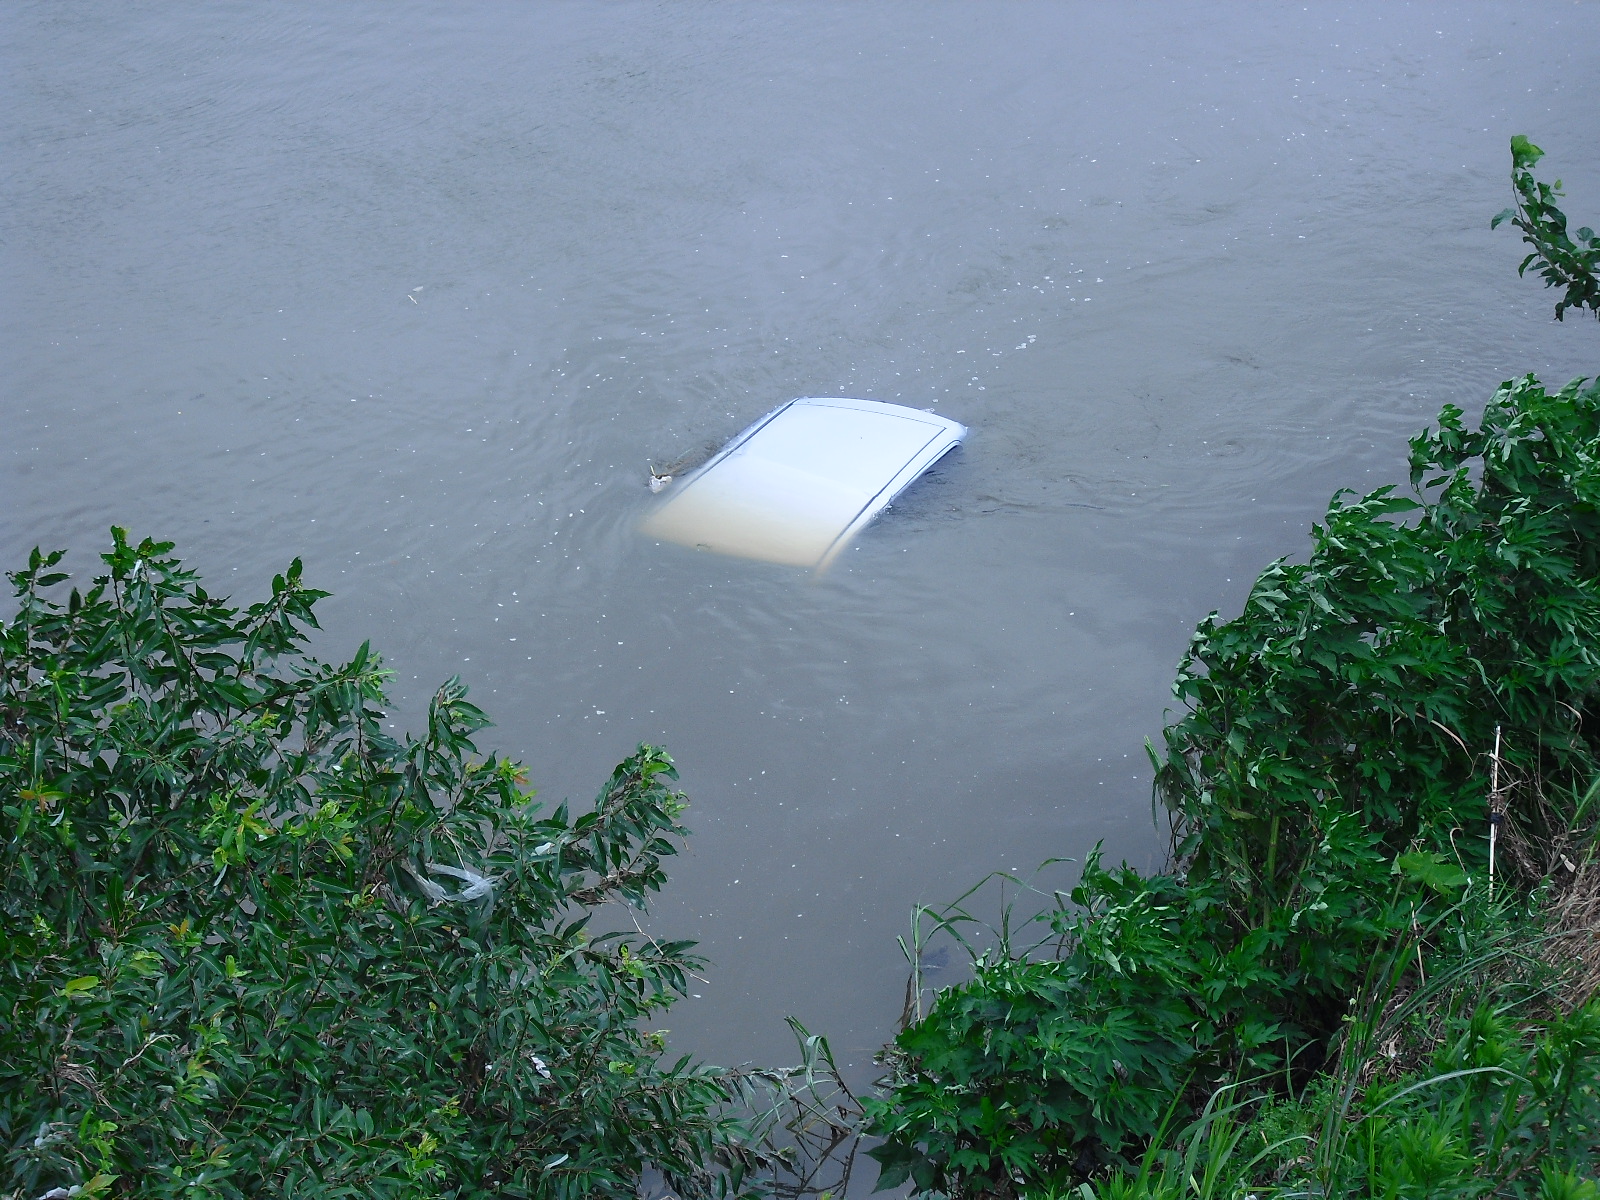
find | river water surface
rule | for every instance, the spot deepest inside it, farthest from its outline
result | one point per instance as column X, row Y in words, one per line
column 418, row 293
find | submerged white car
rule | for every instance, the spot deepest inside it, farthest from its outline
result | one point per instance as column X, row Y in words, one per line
column 797, row 485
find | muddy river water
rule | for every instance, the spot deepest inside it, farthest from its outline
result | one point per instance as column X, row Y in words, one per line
column 420, row 292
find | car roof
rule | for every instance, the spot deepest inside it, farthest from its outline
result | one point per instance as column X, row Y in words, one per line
column 798, row 484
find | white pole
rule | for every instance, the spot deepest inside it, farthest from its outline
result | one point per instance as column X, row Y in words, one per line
column 1494, row 805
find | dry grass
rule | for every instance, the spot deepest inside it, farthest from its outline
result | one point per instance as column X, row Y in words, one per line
column 1573, row 912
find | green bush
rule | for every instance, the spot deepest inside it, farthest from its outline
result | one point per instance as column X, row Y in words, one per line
column 1475, row 1078
column 1567, row 261
column 1432, row 672
column 1328, row 789
column 1503, row 1110
column 252, row 945
column 1352, row 707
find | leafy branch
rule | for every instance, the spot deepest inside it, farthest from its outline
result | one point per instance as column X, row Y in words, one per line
column 228, row 966
column 1569, row 261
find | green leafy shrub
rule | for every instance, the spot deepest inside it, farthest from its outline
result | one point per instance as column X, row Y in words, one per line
column 1331, row 791
column 1472, row 1079
column 1356, row 698
column 1328, row 791
column 251, row 945
column 1005, row 1080
column 1570, row 262
column 1504, row 1110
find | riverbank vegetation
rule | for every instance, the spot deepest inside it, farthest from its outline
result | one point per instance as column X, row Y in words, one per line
column 1426, row 680
column 1363, row 973
column 252, row 943
column 1569, row 262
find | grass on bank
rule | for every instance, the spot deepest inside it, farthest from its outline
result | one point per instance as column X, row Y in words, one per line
column 1468, row 1067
